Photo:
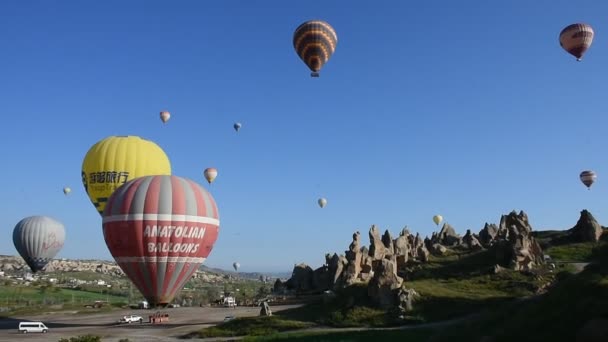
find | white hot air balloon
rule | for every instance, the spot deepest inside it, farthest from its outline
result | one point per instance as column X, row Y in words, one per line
column 165, row 116
column 210, row 174
column 322, row 202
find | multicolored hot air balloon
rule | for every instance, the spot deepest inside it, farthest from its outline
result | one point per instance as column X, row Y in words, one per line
column 588, row 177
column 322, row 202
column 236, row 266
column 315, row 42
column 237, row 126
column 165, row 116
column 160, row 229
column 38, row 239
column 66, row 190
column 437, row 219
column 576, row 39
column 115, row 160
column 210, row 174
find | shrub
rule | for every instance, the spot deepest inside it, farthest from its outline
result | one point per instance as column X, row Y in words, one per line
column 84, row 338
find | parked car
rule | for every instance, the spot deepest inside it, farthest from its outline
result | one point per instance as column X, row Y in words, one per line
column 130, row 319
column 28, row 327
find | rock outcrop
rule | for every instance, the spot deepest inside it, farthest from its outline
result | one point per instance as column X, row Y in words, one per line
column 384, row 265
column 361, row 264
column 587, row 229
column 265, row 310
column 447, row 236
column 471, row 242
column 301, row 278
column 515, row 246
column 381, row 288
column 488, row 234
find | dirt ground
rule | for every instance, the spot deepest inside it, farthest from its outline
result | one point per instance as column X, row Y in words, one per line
column 66, row 324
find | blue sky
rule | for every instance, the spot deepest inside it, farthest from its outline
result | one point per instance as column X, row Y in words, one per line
column 469, row 109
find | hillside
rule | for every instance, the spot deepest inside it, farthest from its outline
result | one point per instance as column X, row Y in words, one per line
column 500, row 274
column 268, row 276
column 14, row 264
column 575, row 309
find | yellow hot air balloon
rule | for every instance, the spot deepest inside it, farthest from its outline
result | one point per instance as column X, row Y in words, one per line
column 437, row 219
column 113, row 161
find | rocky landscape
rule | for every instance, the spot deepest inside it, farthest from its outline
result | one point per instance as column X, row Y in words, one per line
column 15, row 265
column 386, row 264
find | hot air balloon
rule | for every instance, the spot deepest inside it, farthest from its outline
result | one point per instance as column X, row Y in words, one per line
column 210, row 174
column 322, row 202
column 315, row 42
column 38, row 239
column 66, row 190
column 237, row 126
column 588, row 177
column 160, row 229
column 576, row 39
column 236, row 266
column 437, row 219
column 115, row 160
column 165, row 116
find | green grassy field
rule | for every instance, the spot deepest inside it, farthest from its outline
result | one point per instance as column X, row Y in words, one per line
column 414, row 335
column 30, row 299
column 35, row 298
column 576, row 252
column 255, row 326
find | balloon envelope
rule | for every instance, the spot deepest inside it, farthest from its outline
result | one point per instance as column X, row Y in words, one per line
column 38, row 239
column 237, row 126
column 588, row 177
column 165, row 116
column 315, row 42
column 236, row 266
column 210, row 174
column 160, row 229
column 115, row 160
column 437, row 219
column 67, row 190
column 322, row 202
column 576, row 39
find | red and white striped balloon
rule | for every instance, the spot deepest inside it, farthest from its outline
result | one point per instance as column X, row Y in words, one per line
column 160, row 229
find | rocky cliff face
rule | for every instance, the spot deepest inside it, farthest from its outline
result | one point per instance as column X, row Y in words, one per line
column 16, row 264
column 384, row 265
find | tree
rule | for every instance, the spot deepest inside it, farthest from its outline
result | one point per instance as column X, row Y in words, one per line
column 263, row 291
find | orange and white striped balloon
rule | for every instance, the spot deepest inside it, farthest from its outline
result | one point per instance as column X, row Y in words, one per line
column 576, row 39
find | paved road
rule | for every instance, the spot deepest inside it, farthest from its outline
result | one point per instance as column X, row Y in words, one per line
column 66, row 325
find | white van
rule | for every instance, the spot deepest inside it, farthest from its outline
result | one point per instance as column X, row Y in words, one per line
column 27, row 327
